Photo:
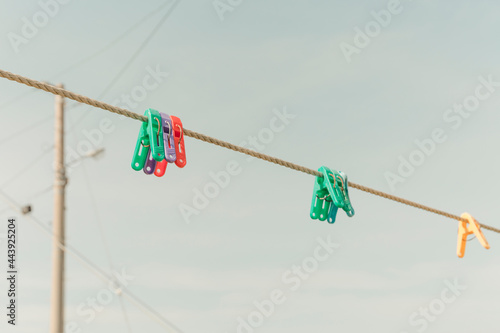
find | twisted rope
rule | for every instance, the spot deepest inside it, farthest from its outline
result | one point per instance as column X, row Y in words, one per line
column 86, row 100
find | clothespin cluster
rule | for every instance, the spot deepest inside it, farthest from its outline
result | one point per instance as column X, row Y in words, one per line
column 160, row 141
column 330, row 193
column 467, row 228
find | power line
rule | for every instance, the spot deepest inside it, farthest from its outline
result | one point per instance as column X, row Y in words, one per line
column 30, row 165
column 105, row 278
column 142, row 46
column 42, row 192
column 15, row 99
column 114, row 42
column 93, row 268
column 25, row 130
column 103, row 238
column 134, row 56
column 5, row 209
column 221, row 143
column 91, row 56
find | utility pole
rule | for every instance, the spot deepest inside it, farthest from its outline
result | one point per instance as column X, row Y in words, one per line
column 60, row 181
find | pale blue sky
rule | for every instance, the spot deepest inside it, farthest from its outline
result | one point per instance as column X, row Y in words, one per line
column 225, row 79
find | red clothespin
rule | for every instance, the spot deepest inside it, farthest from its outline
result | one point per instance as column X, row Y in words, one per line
column 180, row 152
column 467, row 228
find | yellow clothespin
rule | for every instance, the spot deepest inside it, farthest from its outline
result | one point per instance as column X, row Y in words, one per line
column 467, row 228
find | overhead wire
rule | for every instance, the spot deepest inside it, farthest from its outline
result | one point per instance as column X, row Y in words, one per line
column 93, row 268
column 115, row 41
column 49, row 188
column 25, row 130
column 41, row 192
column 5, row 209
column 121, row 111
column 107, row 251
column 134, row 56
column 30, row 165
column 98, row 220
column 142, row 46
column 91, row 56
column 15, row 99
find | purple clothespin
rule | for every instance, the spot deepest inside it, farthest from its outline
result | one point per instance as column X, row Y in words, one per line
column 150, row 165
column 168, row 138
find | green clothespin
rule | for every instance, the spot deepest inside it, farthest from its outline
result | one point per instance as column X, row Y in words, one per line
column 336, row 183
column 155, row 132
column 150, row 138
column 330, row 193
column 347, row 201
column 321, row 201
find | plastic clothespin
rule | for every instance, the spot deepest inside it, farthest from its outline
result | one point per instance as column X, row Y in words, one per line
column 180, row 152
column 155, row 134
column 150, row 165
column 330, row 193
column 141, row 148
column 150, row 139
column 467, row 228
column 169, row 145
column 321, row 201
column 338, row 189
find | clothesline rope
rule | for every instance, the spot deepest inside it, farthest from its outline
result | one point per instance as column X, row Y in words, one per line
column 86, row 100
